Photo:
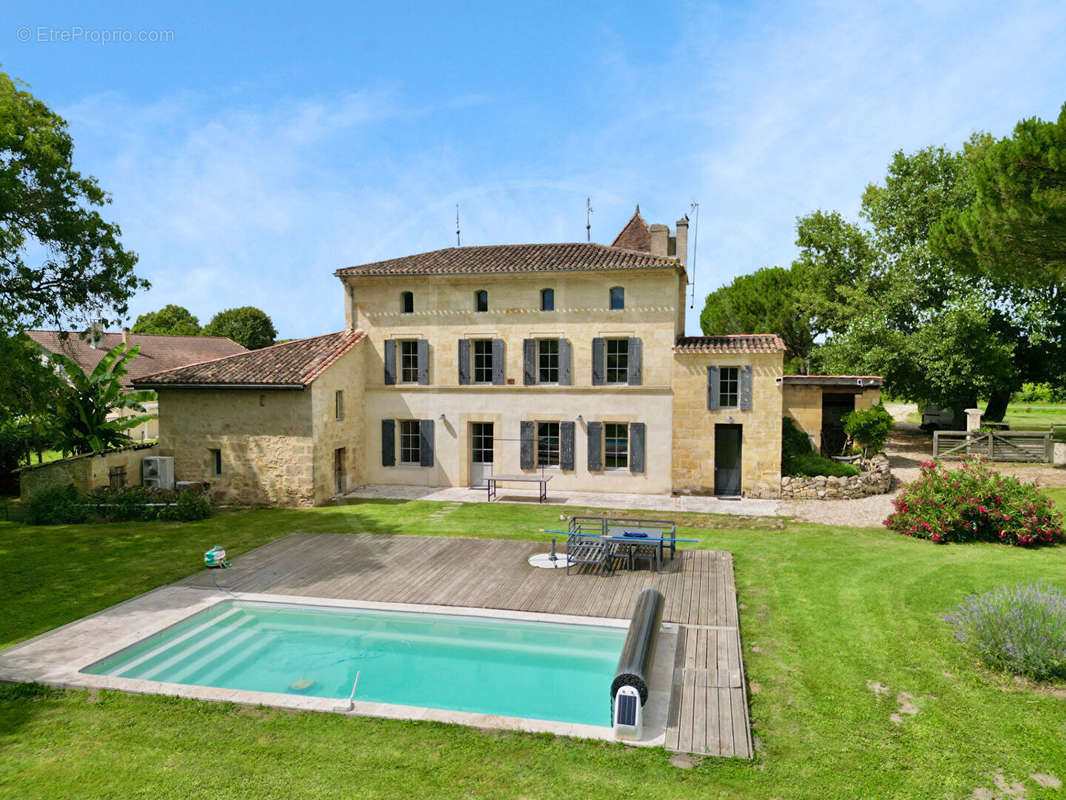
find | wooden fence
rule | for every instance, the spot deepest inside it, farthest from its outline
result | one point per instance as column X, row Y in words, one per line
column 995, row 445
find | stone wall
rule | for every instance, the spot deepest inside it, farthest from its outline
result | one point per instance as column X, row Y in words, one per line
column 264, row 437
column 693, row 435
column 876, row 478
column 86, row 472
column 346, row 375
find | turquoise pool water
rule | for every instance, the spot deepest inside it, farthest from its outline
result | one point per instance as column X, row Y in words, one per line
column 535, row 670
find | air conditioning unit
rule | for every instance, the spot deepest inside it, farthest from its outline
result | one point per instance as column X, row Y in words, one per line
column 157, row 472
column 628, row 715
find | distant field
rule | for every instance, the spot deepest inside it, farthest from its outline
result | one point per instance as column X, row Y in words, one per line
column 1026, row 417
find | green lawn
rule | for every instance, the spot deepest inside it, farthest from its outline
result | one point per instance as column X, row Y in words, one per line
column 825, row 613
column 1026, row 417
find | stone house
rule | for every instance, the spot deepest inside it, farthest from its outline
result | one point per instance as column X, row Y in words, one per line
column 157, row 352
column 469, row 361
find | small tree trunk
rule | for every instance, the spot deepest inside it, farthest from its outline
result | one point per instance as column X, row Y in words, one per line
column 997, row 405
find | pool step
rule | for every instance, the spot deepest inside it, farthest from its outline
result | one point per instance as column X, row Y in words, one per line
column 173, row 654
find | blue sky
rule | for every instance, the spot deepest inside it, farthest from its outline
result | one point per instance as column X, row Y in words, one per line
column 263, row 145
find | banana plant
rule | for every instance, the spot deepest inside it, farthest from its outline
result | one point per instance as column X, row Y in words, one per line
column 89, row 399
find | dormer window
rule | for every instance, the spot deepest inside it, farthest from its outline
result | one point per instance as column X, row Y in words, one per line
column 618, row 298
column 481, row 300
column 407, row 302
column 547, row 299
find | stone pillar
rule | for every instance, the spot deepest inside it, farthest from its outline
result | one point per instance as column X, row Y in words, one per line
column 973, row 419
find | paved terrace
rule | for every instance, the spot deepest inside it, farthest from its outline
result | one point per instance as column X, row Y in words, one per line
column 708, row 712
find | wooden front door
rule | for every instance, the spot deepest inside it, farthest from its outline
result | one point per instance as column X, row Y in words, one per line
column 727, row 460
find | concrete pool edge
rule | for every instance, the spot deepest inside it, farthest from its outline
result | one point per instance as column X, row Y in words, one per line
column 56, row 658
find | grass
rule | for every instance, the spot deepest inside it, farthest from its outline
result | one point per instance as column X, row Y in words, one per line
column 825, row 612
column 1026, row 417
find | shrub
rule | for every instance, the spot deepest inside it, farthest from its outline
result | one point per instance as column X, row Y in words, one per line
column 57, row 505
column 140, row 503
column 794, row 443
column 1040, row 393
column 811, row 464
column 188, row 507
column 869, row 428
column 975, row 504
column 1020, row 630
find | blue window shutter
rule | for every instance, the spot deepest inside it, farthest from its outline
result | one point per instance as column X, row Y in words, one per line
column 390, row 362
column 599, row 357
column 595, row 446
column 713, row 383
column 566, row 445
column 498, row 353
column 388, row 443
column 425, row 442
column 423, row 361
column 745, row 388
column 527, row 445
column 464, row 362
column 635, row 362
column 564, row 362
column 529, row 361
column 636, row 446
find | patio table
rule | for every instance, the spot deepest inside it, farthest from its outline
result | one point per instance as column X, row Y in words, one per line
column 490, row 484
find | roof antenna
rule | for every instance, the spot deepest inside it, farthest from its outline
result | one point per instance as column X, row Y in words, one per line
column 588, row 219
column 457, row 242
column 694, row 207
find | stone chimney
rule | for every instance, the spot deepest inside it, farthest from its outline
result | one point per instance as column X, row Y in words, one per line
column 126, row 336
column 660, row 240
column 681, row 241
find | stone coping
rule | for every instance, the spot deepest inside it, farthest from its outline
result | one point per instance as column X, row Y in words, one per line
column 55, row 658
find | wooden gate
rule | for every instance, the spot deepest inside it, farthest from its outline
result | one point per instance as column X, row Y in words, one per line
column 994, row 445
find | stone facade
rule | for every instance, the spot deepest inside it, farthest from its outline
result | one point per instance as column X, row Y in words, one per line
column 803, row 402
column 346, row 430
column 85, row 472
column 875, row 478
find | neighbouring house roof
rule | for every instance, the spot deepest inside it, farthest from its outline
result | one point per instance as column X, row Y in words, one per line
column 834, row 380
column 137, row 446
column 636, row 235
column 157, row 352
column 512, row 258
column 732, row 343
column 293, row 365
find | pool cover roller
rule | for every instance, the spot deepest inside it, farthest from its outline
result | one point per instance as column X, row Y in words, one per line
column 634, row 665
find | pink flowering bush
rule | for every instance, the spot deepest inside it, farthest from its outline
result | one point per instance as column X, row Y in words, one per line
column 975, row 504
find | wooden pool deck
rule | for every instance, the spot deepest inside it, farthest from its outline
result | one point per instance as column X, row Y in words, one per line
column 709, row 710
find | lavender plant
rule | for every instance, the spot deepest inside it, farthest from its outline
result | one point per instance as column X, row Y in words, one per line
column 1020, row 630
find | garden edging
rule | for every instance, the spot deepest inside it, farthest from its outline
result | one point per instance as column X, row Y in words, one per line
column 875, row 478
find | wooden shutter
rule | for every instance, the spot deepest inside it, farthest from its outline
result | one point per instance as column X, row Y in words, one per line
column 498, row 353
column 713, row 384
column 529, row 361
column 388, row 443
column 564, row 362
column 595, row 446
column 745, row 388
column 636, row 447
column 423, row 361
column 635, row 362
column 566, row 445
column 425, row 442
column 599, row 357
column 528, row 445
column 464, row 362
column 390, row 362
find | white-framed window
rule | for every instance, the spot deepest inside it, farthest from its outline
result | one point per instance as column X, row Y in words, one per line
column 409, row 361
column 616, row 445
column 547, row 444
column 617, row 361
column 618, row 298
column 729, row 387
column 338, row 404
column 482, row 360
column 547, row 360
column 410, row 442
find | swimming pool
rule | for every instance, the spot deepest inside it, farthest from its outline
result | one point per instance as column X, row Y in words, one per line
column 514, row 668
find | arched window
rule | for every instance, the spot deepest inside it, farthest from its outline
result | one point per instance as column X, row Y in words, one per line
column 481, row 300
column 618, row 298
column 547, row 299
column 407, row 302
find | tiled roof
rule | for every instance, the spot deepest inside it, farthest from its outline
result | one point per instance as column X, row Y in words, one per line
column 636, row 235
column 512, row 258
column 296, row 364
column 157, row 352
column 733, row 343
